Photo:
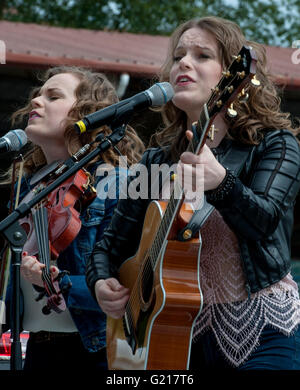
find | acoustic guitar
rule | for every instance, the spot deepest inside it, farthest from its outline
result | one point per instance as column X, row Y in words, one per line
column 163, row 277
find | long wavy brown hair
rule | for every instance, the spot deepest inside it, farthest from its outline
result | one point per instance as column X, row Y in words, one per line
column 259, row 113
column 94, row 92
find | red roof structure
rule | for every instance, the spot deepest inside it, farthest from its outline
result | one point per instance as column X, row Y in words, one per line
column 33, row 45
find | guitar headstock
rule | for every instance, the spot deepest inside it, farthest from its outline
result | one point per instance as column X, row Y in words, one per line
column 232, row 86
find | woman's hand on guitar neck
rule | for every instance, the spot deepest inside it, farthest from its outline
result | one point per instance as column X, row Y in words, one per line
column 209, row 177
column 112, row 297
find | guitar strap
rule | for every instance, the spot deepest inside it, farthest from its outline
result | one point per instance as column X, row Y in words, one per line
column 234, row 160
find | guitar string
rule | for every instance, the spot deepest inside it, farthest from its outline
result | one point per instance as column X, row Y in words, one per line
column 151, row 257
column 151, row 260
column 152, row 254
column 147, row 268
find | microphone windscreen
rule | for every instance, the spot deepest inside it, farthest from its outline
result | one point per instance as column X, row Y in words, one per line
column 160, row 93
column 16, row 139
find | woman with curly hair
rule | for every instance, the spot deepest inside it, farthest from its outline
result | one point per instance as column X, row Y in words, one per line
column 74, row 338
column 251, row 309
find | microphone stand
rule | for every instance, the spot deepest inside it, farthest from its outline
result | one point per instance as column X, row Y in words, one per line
column 16, row 236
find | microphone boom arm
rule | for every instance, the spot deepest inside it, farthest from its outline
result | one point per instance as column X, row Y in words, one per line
column 16, row 235
column 21, row 211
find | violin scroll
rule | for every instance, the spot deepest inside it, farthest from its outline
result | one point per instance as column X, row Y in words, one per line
column 55, row 300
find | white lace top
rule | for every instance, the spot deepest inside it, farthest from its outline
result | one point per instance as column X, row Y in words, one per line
column 235, row 319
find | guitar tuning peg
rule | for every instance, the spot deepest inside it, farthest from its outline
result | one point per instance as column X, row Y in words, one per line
column 237, row 58
column 255, row 82
column 226, row 73
column 231, row 111
column 216, row 89
column 212, row 131
column 243, row 96
column 241, row 75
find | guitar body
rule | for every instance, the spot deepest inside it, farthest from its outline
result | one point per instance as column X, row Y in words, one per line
column 163, row 277
column 159, row 331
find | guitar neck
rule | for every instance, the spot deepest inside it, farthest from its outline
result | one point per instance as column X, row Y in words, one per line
column 230, row 87
column 170, row 214
column 177, row 194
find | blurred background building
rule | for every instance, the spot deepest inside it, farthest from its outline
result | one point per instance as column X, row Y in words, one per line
column 131, row 61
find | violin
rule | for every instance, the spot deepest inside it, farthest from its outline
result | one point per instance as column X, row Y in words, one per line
column 52, row 225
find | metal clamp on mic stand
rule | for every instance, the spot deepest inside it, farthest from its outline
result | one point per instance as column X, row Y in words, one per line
column 16, row 236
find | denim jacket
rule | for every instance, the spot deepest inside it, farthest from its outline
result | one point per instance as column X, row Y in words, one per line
column 85, row 312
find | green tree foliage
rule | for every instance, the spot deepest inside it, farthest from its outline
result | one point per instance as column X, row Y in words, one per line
column 274, row 22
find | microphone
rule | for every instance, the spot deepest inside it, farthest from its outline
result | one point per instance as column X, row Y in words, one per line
column 157, row 95
column 13, row 141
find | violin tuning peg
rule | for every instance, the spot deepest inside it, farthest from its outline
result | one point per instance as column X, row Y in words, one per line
column 231, row 111
column 46, row 310
column 255, row 82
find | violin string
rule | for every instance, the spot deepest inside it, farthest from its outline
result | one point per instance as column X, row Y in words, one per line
column 46, row 237
column 46, row 245
column 40, row 234
column 41, row 229
column 38, row 230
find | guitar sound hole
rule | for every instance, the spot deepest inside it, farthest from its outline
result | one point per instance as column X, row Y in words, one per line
column 147, row 283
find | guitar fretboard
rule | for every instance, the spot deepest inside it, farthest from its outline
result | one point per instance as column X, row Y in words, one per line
column 165, row 225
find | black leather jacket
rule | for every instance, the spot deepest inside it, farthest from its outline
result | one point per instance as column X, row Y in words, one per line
column 259, row 209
